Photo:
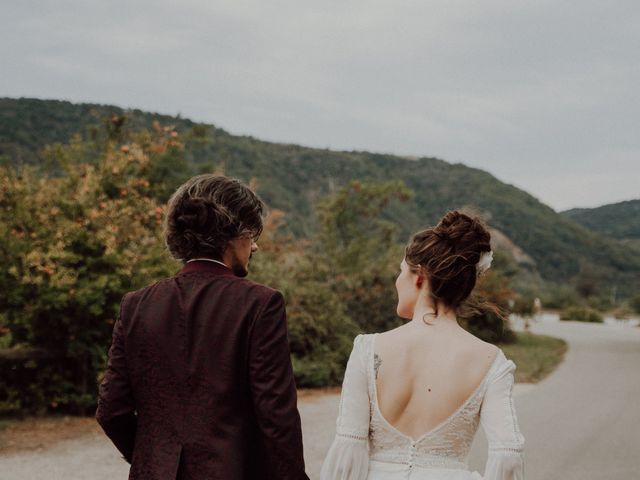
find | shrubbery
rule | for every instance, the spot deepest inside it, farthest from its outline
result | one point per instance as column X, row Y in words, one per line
column 634, row 303
column 71, row 246
column 75, row 240
column 488, row 326
column 581, row 314
column 339, row 284
column 320, row 331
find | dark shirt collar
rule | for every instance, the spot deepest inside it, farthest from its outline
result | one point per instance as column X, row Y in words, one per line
column 206, row 266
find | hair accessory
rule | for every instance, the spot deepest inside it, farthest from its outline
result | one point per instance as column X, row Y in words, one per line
column 485, row 262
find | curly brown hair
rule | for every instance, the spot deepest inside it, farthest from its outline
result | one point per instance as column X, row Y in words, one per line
column 208, row 211
column 447, row 255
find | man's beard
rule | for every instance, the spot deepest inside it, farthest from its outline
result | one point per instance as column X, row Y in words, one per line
column 239, row 270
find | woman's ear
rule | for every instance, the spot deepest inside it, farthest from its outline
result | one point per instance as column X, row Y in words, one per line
column 419, row 280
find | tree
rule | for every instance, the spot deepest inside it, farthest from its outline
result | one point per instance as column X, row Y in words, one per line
column 357, row 251
column 320, row 331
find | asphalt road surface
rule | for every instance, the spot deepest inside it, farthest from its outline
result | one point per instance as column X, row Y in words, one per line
column 580, row 423
column 583, row 421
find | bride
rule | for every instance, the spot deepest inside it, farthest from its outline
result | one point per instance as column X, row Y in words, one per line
column 413, row 397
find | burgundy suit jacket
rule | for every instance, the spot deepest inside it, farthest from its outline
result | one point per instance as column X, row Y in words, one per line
column 199, row 383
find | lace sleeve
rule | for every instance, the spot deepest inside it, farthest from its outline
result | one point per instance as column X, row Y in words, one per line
column 505, row 459
column 348, row 456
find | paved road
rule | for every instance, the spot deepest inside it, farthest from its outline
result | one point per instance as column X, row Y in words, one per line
column 581, row 423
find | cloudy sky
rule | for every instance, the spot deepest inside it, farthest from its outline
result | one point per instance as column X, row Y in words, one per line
column 542, row 94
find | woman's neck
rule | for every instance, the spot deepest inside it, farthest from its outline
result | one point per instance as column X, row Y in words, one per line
column 425, row 313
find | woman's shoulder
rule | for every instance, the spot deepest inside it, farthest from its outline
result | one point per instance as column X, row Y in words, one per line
column 363, row 344
column 472, row 348
column 362, row 339
column 488, row 355
column 501, row 366
column 367, row 339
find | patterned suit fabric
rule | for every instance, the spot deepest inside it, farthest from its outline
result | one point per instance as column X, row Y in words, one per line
column 199, row 383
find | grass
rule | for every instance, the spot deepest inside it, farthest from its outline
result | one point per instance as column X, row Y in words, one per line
column 536, row 356
column 4, row 424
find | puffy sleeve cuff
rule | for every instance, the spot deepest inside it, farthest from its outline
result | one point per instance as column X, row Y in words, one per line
column 348, row 459
column 505, row 459
column 505, row 464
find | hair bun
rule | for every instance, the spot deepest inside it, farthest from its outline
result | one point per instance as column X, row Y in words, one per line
column 463, row 231
column 451, row 218
column 448, row 254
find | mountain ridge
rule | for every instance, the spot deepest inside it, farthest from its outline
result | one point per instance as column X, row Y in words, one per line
column 293, row 178
column 619, row 220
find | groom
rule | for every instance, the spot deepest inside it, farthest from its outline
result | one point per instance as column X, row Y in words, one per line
column 199, row 383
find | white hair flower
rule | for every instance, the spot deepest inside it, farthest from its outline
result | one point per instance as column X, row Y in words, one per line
column 485, row 262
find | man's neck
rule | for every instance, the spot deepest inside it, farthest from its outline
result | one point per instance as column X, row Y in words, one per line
column 207, row 260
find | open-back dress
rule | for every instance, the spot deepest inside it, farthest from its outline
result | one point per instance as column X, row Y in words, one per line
column 368, row 447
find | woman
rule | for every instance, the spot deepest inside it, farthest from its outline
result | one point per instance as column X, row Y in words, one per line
column 413, row 397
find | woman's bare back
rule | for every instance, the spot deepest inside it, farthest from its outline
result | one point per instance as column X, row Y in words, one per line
column 423, row 377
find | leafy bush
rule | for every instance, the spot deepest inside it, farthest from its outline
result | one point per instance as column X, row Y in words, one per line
column 561, row 296
column 338, row 284
column 621, row 313
column 75, row 240
column 320, row 331
column 493, row 287
column 581, row 314
column 634, row 303
column 356, row 251
column 490, row 328
column 600, row 302
column 72, row 245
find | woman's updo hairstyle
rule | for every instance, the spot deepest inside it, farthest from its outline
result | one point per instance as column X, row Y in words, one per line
column 448, row 254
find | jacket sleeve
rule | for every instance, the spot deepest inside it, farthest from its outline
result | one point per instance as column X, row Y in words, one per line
column 274, row 393
column 505, row 459
column 348, row 456
column 116, row 407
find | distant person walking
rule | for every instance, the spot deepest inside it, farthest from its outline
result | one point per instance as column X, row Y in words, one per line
column 536, row 310
column 199, row 383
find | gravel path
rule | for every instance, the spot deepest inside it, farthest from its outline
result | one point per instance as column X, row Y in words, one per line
column 582, row 422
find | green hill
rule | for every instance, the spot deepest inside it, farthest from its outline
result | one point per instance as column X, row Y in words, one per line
column 616, row 220
column 292, row 178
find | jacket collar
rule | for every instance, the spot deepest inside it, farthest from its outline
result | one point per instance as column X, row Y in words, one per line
column 206, row 266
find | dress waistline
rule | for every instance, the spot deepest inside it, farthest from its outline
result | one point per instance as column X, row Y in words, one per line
column 419, row 461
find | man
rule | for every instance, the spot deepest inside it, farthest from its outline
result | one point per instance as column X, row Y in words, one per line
column 199, row 383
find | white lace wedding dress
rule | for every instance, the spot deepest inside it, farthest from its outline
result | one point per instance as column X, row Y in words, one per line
column 366, row 446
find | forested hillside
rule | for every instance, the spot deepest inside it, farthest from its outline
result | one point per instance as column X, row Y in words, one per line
column 616, row 220
column 81, row 225
column 292, row 178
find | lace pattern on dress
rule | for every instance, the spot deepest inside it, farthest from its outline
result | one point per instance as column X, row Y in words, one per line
column 352, row 436
column 447, row 445
column 365, row 439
